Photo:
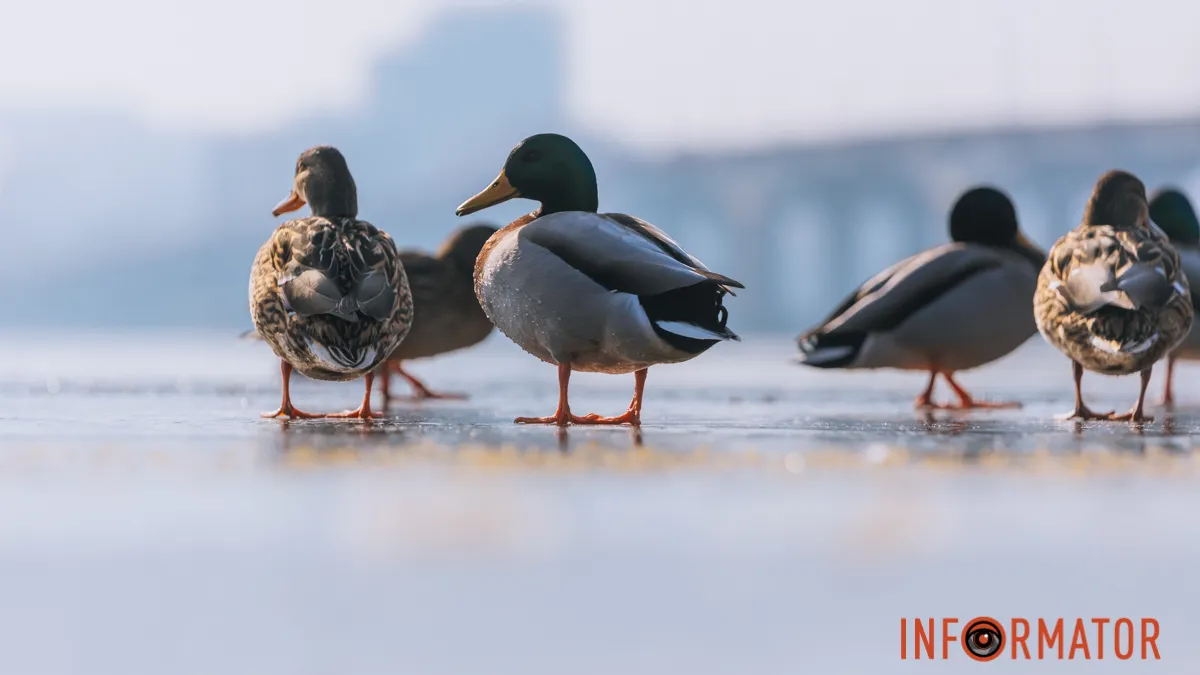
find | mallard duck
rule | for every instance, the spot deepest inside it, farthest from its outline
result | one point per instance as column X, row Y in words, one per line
column 447, row 316
column 954, row 307
column 586, row 291
column 328, row 293
column 1171, row 210
column 1112, row 296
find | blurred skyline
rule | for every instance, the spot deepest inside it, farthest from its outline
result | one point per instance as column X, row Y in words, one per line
column 138, row 169
column 654, row 75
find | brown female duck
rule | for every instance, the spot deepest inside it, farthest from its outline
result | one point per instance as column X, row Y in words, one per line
column 328, row 293
column 446, row 314
column 1112, row 296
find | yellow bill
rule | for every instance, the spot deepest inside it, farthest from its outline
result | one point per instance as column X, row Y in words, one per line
column 292, row 203
column 499, row 191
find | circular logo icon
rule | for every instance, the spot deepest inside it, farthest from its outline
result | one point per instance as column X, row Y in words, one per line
column 983, row 638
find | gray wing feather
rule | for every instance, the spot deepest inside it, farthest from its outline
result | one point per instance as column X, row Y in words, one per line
column 617, row 256
column 668, row 245
column 912, row 285
column 1092, row 285
column 1145, row 284
column 375, row 296
column 869, row 286
column 311, row 292
column 1106, row 270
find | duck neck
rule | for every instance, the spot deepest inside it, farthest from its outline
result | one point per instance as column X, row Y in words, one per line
column 1123, row 211
column 346, row 207
column 332, row 196
column 578, row 195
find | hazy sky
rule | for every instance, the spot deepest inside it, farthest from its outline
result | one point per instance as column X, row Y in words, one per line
column 654, row 73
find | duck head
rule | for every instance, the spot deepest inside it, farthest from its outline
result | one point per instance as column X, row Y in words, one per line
column 1171, row 210
column 1119, row 199
column 985, row 215
column 463, row 247
column 322, row 181
column 547, row 168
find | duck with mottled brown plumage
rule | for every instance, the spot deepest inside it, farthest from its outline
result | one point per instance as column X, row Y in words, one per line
column 328, row 292
column 446, row 314
column 1112, row 295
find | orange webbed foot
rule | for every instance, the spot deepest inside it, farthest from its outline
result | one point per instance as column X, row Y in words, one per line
column 1135, row 415
column 563, row 419
column 1084, row 413
column 290, row 413
column 629, row 417
column 363, row 413
column 560, row 418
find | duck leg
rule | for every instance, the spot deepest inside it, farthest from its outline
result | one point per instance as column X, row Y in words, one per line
column 562, row 416
column 925, row 400
column 1138, row 412
column 1168, row 399
column 385, row 383
column 286, row 409
column 1081, row 411
column 420, row 391
column 632, row 416
column 363, row 411
column 966, row 402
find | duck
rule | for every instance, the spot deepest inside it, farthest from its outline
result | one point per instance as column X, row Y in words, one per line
column 1112, row 295
column 587, row 291
column 328, row 293
column 447, row 315
column 1172, row 212
column 950, row 308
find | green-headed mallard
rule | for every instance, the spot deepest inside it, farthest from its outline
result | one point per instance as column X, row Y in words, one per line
column 586, row 291
column 328, row 292
column 1112, row 296
column 1171, row 210
column 446, row 314
column 954, row 307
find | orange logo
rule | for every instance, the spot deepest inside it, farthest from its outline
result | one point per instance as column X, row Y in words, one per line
column 986, row 639
column 983, row 639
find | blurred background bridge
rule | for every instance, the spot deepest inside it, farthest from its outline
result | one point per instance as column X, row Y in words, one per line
column 102, row 209
column 802, row 226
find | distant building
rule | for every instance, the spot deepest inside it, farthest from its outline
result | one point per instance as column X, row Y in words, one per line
column 121, row 225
